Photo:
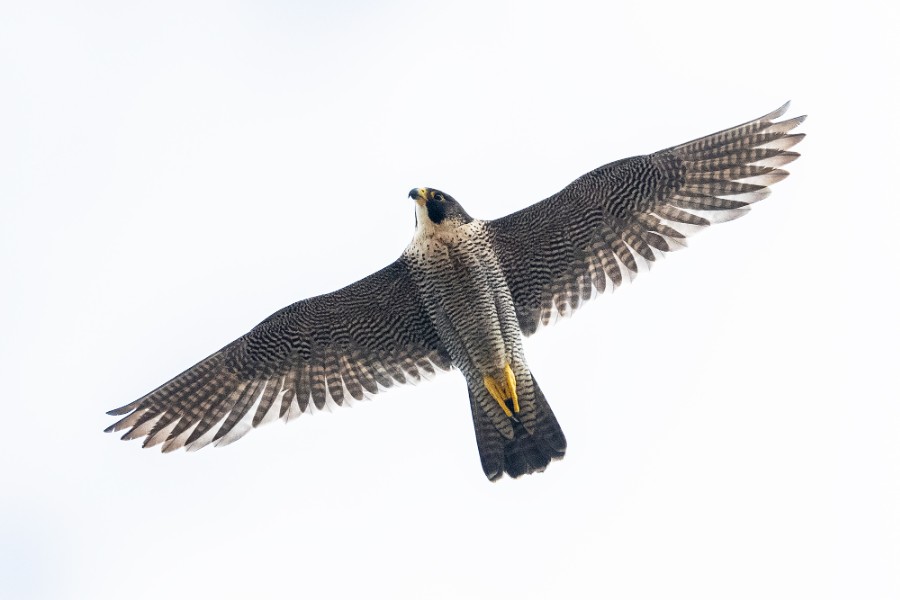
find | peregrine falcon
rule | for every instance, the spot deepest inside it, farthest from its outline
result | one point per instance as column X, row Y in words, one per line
column 463, row 294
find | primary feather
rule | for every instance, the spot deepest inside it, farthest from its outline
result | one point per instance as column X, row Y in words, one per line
column 463, row 294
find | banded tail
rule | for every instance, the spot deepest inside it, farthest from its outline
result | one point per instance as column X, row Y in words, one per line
column 517, row 445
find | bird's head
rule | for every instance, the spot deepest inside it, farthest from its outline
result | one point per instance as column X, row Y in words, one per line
column 437, row 210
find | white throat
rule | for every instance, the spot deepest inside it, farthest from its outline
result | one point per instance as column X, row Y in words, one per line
column 425, row 227
column 449, row 233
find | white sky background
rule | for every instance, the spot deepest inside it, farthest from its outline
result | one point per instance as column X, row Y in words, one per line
column 172, row 173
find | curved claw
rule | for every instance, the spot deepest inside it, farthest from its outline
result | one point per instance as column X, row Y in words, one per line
column 503, row 390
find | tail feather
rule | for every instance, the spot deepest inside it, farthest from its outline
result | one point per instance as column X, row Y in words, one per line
column 527, row 450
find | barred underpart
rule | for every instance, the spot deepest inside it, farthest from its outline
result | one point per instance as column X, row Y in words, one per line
column 462, row 295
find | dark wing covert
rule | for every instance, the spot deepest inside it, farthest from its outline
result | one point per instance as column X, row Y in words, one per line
column 597, row 231
column 347, row 344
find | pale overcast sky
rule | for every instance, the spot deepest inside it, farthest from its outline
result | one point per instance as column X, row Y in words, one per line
column 173, row 172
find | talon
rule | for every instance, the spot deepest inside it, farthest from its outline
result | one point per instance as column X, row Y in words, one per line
column 511, row 386
column 496, row 393
column 503, row 390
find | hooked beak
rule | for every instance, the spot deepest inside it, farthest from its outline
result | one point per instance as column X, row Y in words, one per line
column 419, row 195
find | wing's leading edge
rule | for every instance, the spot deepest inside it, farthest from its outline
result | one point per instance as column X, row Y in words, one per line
column 347, row 344
column 601, row 229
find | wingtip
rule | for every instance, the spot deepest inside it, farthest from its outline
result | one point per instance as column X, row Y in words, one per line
column 778, row 111
column 168, row 447
column 118, row 412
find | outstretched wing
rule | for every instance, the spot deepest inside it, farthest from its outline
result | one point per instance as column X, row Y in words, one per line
column 599, row 230
column 349, row 343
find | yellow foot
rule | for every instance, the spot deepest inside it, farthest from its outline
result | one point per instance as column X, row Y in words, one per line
column 503, row 390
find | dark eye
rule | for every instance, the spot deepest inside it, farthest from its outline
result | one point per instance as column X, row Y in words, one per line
column 440, row 197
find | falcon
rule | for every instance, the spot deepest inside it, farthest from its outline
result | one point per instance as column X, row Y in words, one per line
column 463, row 294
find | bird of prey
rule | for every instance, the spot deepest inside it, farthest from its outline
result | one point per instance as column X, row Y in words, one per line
column 463, row 293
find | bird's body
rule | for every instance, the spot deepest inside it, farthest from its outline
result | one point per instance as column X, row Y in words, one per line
column 463, row 294
column 466, row 297
column 470, row 305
